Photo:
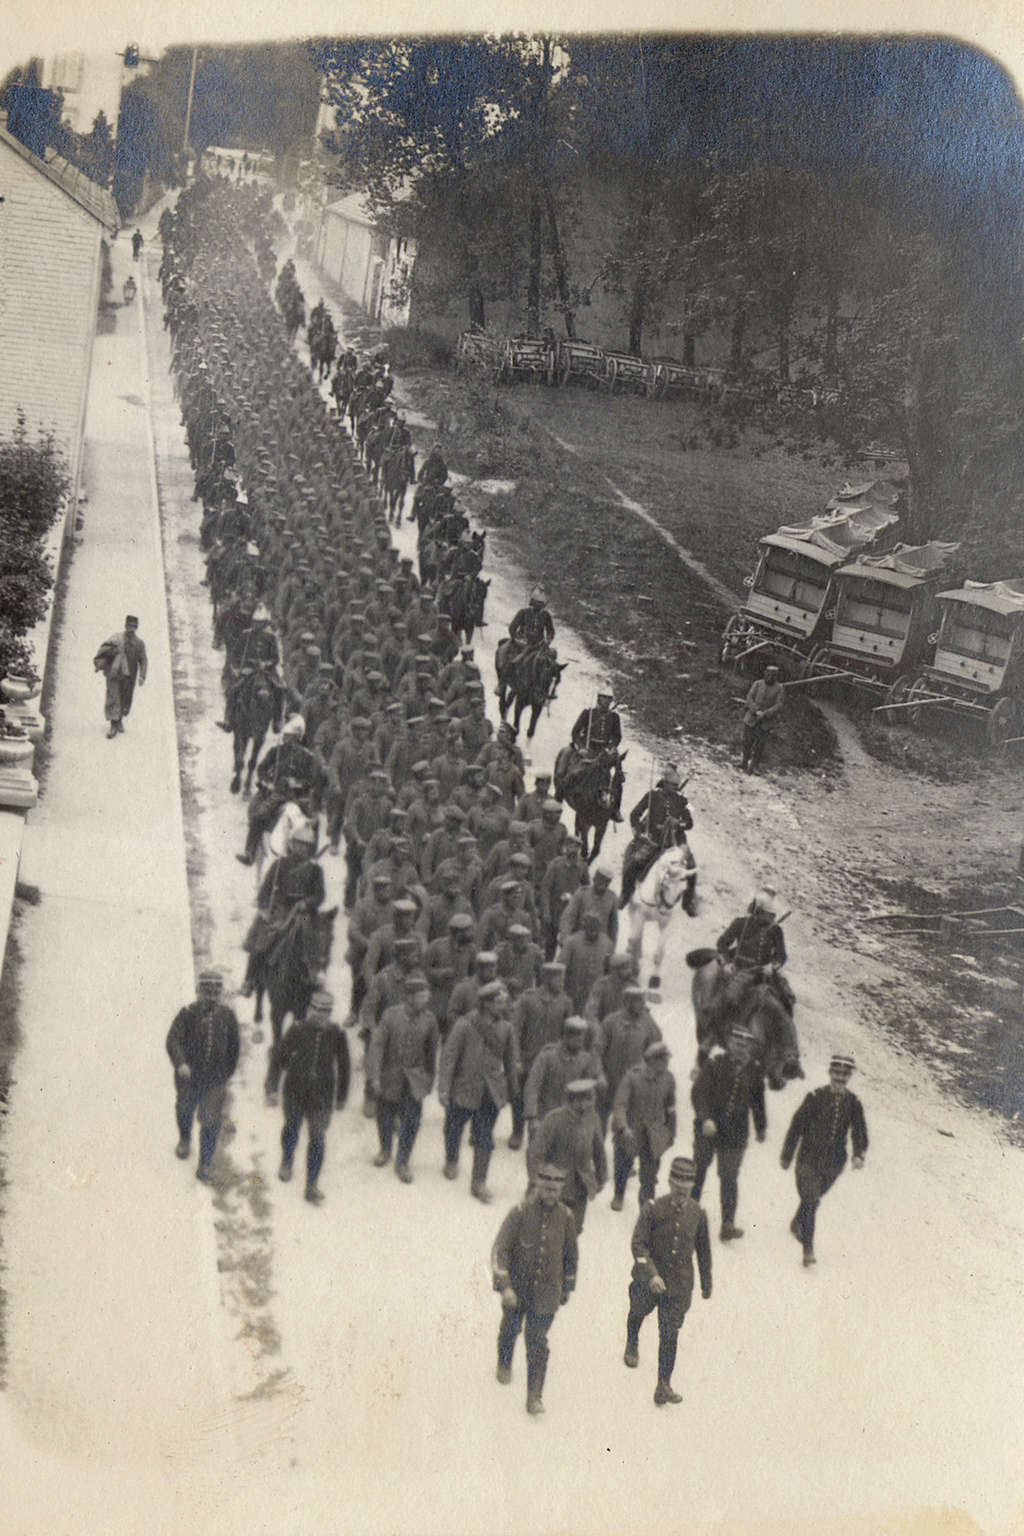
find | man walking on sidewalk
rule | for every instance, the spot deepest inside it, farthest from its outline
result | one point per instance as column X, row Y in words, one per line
column 819, row 1130
column 668, row 1233
column 122, row 660
column 203, row 1045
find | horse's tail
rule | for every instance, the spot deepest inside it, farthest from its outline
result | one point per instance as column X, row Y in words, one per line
column 696, row 959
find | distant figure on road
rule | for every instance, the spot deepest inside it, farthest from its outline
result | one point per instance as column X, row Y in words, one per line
column 122, row 660
column 128, row 291
column 136, row 244
column 818, row 1136
column 203, row 1045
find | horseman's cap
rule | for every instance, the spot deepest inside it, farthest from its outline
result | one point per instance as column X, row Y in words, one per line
column 633, row 991
column 579, row 1087
column 518, row 931
column 575, row 1024
column 603, row 694
column 621, row 962
column 603, row 872
column 295, row 725
column 130, row 621
column 321, row 1002
column 211, row 979
column 460, row 920
column 841, row 1063
column 303, row 834
column 763, row 900
column 261, row 614
column 655, row 1049
column 683, row 1168
column 670, row 771
column 551, row 808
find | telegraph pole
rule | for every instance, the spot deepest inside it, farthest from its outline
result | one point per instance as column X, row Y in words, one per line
column 188, row 105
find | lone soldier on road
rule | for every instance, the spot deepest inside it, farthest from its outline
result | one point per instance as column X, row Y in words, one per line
column 534, row 1262
column 203, row 1045
column 122, row 660
column 313, row 1055
column 667, row 1234
column 763, row 704
column 136, row 244
column 819, row 1128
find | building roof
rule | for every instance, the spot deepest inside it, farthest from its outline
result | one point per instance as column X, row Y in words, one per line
column 351, row 207
column 96, row 200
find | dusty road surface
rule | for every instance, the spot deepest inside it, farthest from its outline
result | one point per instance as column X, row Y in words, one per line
column 285, row 1369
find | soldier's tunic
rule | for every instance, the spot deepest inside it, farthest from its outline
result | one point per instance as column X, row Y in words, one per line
column 575, row 1143
column 537, row 1256
column 668, row 1233
column 819, row 1129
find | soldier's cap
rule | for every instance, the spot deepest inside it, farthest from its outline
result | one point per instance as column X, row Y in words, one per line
column 404, row 904
column 509, row 885
column 381, row 878
column 321, row 1002
column 362, row 722
column 552, row 1172
column 841, row 1063
column 590, row 916
column 421, row 659
column 465, row 840
column 378, row 776
column 460, row 920
column 406, row 560
column 518, row 931
column 763, row 900
column 416, row 982
column 392, row 707
column 130, row 621
column 326, row 667
column 551, row 808
column 603, row 872
column 473, row 686
column 491, row 991
column 406, row 946
column 211, row 979
column 633, row 991
column 521, row 859
column 430, row 783
column 771, row 668
column 485, row 957
column 575, row 1023
column 543, row 777
column 422, row 766
column 655, row 1049
column 579, row 1087
column 307, row 637
column 397, row 814
column 375, row 677
column 683, row 1168
column 435, row 703
column 622, row 961
column 453, row 812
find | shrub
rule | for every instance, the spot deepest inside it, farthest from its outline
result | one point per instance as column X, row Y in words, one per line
column 33, row 486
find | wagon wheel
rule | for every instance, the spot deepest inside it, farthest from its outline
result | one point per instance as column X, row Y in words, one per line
column 917, row 690
column 611, row 375
column 730, row 634
column 812, row 662
column 564, row 369
column 651, row 382
column 551, row 369
column 1003, row 723
column 896, row 694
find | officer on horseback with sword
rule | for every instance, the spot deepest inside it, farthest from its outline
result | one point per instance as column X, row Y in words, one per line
column 289, row 771
column 660, row 820
column 294, row 881
column 258, row 648
column 531, row 628
column 597, row 730
column 754, row 942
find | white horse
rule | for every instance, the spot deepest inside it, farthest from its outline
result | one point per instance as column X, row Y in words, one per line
column 656, row 899
column 274, row 844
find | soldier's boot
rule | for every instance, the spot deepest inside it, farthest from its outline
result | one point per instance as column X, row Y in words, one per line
column 478, row 1181
column 631, row 1356
column 207, row 1144
column 663, row 1393
column 183, row 1148
column 536, row 1370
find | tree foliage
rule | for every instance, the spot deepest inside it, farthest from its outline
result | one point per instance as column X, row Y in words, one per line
column 33, row 485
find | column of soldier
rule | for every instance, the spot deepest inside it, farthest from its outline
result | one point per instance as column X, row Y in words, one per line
column 482, row 953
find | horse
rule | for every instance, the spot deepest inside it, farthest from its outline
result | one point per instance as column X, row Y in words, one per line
column 593, row 791
column 256, row 707
column 464, row 598
column 291, row 970
column 662, row 891
column 293, row 814
column 725, row 995
column 529, row 682
column 397, row 469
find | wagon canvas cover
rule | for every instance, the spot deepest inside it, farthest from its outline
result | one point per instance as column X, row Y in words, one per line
column 853, row 518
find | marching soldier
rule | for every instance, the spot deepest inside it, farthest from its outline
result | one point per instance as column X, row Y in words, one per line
column 643, row 1122
column 313, row 1056
column 534, row 1262
column 817, row 1134
column 668, row 1233
column 400, row 1065
column 203, row 1045
column 727, row 1089
column 570, row 1137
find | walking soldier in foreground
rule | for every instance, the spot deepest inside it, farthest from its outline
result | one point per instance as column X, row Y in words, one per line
column 668, row 1233
column 819, row 1129
column 726, row 1090
column 313, row 1055
column 400, row 1065
column 203, row 1044
column 534, row 1262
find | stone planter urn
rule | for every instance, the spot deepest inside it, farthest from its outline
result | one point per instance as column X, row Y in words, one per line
column 17, row 689
column 16, row 750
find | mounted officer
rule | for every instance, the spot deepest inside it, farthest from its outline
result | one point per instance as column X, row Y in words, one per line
column 754, row 943
column 257, row 650
column 433, row 470
column 660, row 820
column 598, row 730
column 531, row 628
column 295, row 880
column 289, row 771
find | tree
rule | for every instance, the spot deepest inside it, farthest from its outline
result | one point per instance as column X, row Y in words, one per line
column 33, row 485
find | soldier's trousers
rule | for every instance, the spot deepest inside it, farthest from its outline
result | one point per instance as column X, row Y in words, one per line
column 318, row 1118
column 408, row 1111
column 481, row 1130
column 813, row 1180
column 623, row 1159
column 204, row 1102
column 705, row 1149
column 671, row 1312
column 536, row 1336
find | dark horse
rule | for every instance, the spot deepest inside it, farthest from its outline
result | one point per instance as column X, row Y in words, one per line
column 529, row 682
column 593, row 790
column 464, row 597
column 397, row 469
column 257, row 705
column 725, row 995
column 290, row 971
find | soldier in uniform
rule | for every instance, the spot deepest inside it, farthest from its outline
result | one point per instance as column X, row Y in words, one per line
column 123, row 662
column 313, row 1056
column 537, row 1019
column 755, row 942
column 534, row 1262
column 660, row 820
column 570, row 1137
column 597, row 730
column 762, row 707
column 643, row 1122
column 479, row 1074
column 289, row 771
column 294, row 879
column 203, row 1044
column 668, row 1233
column 727, row 1089
column 531, row 628
column 257, row 648
column 400, row 1065
column 817, row 1134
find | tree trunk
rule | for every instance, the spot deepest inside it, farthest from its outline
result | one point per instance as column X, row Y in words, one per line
column 830, row 360
column 784, row 302
column 560, row 263
column 476, row 305
column 689, row 349
column 641, row 295
column 534, row 269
